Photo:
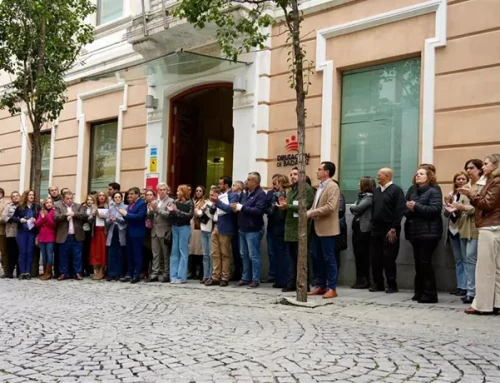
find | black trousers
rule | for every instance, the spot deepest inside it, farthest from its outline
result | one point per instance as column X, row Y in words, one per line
column 361, row 249
column 87, row 269
column 425, row 279
column 13, row 255
column 383, row 255
column 237, row 261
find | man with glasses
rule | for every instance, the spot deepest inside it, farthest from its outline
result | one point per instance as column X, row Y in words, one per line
column 325, row 226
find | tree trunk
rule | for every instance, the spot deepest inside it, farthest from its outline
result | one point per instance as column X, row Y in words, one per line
column 298, row 57
column 36, row 166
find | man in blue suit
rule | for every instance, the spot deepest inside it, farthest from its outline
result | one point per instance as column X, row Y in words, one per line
column 135, row 216
column 224, row 229
column 251, row 224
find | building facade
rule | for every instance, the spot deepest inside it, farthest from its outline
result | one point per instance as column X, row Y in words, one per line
column 392, row 84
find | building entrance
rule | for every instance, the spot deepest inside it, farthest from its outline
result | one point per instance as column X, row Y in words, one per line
column 201, row 136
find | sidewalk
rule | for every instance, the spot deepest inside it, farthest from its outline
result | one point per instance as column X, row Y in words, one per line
column 346, row 295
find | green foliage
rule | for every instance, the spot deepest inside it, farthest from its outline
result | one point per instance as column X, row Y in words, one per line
column 40, row 41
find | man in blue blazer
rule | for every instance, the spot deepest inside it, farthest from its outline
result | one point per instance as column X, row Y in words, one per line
column 251, row 224
column 224, row 229
column 135, row 216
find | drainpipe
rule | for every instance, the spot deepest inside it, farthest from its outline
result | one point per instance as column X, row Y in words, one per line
column 144, row 18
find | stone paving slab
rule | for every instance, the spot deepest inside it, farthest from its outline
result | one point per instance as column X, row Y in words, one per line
column 114, row 332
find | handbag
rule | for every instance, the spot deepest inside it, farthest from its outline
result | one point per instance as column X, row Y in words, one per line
column 167, row 239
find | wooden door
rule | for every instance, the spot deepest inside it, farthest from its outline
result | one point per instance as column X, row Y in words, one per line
column 184, row 144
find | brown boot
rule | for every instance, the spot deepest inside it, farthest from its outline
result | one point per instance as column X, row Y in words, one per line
column 44, row 275
column 49, row 272
column 96, row 272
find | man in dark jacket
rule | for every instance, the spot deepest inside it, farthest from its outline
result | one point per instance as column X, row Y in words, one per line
column 387, row 212
column 251, row 222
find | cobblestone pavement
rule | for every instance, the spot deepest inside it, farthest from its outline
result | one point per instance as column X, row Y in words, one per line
column 101, row 331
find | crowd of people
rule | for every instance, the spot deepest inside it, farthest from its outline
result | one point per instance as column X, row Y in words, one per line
column 216, row 237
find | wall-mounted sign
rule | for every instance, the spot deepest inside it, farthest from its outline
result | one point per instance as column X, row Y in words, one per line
column 292, row 146
column 153, row 159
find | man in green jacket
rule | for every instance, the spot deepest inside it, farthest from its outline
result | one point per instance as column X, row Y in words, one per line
column 291, row 205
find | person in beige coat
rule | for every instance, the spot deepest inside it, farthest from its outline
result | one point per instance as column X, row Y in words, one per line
column 11, row 234
column 325, row 226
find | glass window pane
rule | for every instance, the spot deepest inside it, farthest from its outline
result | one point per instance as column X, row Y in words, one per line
column 379, row 123
column 102, row 170
column 109, row 10
column 45, row 146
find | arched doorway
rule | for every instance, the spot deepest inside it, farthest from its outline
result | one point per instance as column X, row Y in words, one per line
column 201, row 135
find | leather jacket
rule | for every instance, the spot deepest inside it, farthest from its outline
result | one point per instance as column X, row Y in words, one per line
column 487, row 204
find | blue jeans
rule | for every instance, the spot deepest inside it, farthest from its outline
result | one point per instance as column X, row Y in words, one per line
column 324, row 263
column 26, row 244
column 469, row 253
column 134, row 256
column 272, row 252
column 207, row 259
column 459, row 260
column 70, row 248
column 47, row 250
column 250, row 255
column 180, row 252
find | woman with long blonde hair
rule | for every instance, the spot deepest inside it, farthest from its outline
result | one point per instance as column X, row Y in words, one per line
column 181, row 212
column 276, row 229
column 98, row 257
column 46, row 226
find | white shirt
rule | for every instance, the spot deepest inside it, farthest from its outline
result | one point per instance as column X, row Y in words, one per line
column 71, row 228
column 319, row 192
column 382, row 188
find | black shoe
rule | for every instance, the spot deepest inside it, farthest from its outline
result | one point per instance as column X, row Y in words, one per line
column 224, row 283
column 278, row 286
column 8, row 276
column 165, row 280
column 154, row 279
column 428, row 299
column 253, row 285
column 467, row 300
column 125, row 279
column 361, row 283
column 135, row 280
column 391, row 290
column 375, row 289
column 455, row 292
column 5, row 276
column 461, row 293
column 288, row 289
column 416, row 297
column 109, row 279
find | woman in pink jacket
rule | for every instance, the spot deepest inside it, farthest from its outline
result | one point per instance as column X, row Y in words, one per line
column 46, row 237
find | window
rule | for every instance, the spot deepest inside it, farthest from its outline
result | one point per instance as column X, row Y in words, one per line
column 109, row 10
column 45, row 138
column 102, row 169
column 379, row 123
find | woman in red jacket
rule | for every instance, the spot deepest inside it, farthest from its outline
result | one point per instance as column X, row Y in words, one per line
column 46, row 237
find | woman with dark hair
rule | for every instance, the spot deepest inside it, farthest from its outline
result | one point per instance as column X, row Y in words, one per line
column 487, row 204
column 116, row 238
column 455, row 213
column 25, row 216
column 361, row 231
column 180, row 213
column 195, row 261
column 424, row 229
column 474, row 169
column 147, row 251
